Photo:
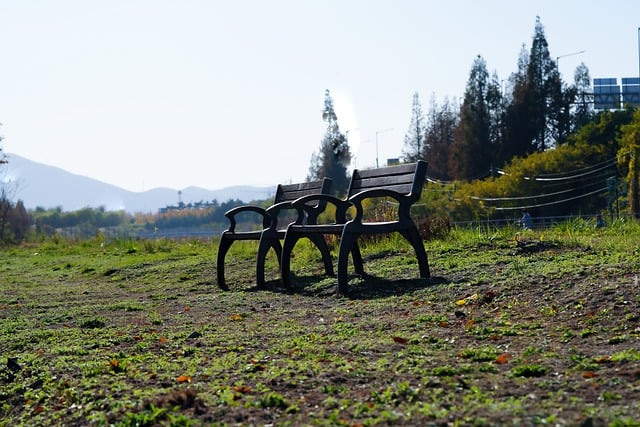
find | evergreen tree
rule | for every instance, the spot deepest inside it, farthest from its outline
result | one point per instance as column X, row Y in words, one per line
column 583, row 112
column 518, row 137
column 497, row 109
column 414, row 140
column 545, row 93
column 441, row 124
column 471, row 156
column 334, row 155
column 537, row 116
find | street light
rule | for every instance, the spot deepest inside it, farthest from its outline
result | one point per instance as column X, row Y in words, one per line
column 377, row 132
column 564, row 56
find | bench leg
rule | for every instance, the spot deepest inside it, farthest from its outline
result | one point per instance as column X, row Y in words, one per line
column 290, row 241
column 357, row 258
column 348, row 245
column 413, row 237
column 321, row 244
column 223, row 248
column 266, row 243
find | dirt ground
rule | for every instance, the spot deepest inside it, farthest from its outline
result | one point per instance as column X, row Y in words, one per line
column 513, row 333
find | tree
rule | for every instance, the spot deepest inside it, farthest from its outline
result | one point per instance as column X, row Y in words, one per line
column 629, row 160
column 583, row 112
column 334, row 155
column 537, row 116
column 441, row 124
column 497, row 109
column 545, row 87
column 3, row 158
column 415, row 147
column 5, row 196
column 471, row 153
column 518, row 131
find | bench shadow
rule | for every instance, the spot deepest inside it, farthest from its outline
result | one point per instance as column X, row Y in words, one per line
column 361, row 287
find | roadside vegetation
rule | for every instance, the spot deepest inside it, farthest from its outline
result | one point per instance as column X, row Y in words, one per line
column 513, row 328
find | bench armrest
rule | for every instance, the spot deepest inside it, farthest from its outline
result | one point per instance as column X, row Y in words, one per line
column 274, row 212
column 404, row 201
column 231, row 215
column 311, row 212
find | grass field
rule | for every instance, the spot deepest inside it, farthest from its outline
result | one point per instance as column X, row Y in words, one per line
column 513, row 328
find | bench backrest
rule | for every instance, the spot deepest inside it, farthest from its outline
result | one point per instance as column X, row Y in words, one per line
column 290, row 192
column 406, row 179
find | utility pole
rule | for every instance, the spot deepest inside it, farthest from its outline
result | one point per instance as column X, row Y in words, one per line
column 378, row 132
column 558, row 58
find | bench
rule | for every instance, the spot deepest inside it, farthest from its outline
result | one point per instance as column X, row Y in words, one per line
column 273, row 230
column 403, row 183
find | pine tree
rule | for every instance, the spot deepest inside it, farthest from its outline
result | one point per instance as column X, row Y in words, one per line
column 415, row 147
column 537, row 116
column 497, row 109
column 518, row 137
column 471, row 153
column 583, row 112
column 334, row 155
column 441, row 124
column 545, row 92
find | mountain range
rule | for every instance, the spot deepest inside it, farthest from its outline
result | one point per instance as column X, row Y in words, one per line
column 40, row 185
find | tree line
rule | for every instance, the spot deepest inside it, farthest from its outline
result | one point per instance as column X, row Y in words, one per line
column 492, row 154
column 531, row 111
column 499, row 123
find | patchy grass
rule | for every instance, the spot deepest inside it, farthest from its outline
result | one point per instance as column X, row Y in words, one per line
column 513, row 328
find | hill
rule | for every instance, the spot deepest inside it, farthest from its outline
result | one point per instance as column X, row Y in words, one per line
column 40, row 185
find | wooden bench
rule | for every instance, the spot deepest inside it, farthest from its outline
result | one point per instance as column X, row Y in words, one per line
column 273, row 230
column 403, row 183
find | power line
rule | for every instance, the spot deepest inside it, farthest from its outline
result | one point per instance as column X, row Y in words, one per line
column 610, row 162
column 568, row 177
column 552, row 203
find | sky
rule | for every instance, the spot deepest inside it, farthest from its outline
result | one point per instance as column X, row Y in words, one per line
column 216, row 93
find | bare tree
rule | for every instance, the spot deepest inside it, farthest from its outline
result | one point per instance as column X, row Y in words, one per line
column 414, row 140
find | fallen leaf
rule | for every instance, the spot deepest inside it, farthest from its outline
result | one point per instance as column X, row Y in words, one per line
column 184, row 379
column 235, row 317
column 589, row 374
column 162, row 340
column 503, row 358
column 242, row 389
column 400, row 340
column 603, row 359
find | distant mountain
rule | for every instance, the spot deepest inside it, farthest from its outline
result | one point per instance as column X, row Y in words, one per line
column 40, row 185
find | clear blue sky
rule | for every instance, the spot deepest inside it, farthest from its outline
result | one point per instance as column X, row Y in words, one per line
column 158, row 93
